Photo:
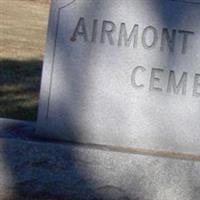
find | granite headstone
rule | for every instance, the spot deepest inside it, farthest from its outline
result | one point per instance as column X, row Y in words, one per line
column 123, row 73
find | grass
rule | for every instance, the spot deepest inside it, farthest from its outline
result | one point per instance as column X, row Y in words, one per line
column 23, row 25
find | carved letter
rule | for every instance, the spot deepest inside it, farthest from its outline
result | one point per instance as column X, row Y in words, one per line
column 145, row 38
column 172, row 85
column 185, row 40
column 170, row 40
column 127, row 40
column 94, row 30
column 80, row 30
column 196, row 85
column 155, row 79
column 107, row 30
column 133, row 77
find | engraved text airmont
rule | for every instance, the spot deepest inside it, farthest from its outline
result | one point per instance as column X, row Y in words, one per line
column 148, row 37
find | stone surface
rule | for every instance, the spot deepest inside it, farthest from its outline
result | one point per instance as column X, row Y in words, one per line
column 62, row 171
column 123, row 73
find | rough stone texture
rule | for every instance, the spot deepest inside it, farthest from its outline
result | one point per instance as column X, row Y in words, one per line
column 30, row 167
column 88, row 92
column 188, row 1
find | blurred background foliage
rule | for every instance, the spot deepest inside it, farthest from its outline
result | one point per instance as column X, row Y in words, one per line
column 23, row 27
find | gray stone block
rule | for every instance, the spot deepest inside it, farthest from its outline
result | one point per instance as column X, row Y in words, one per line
column 56, row 170
column 76, row 172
